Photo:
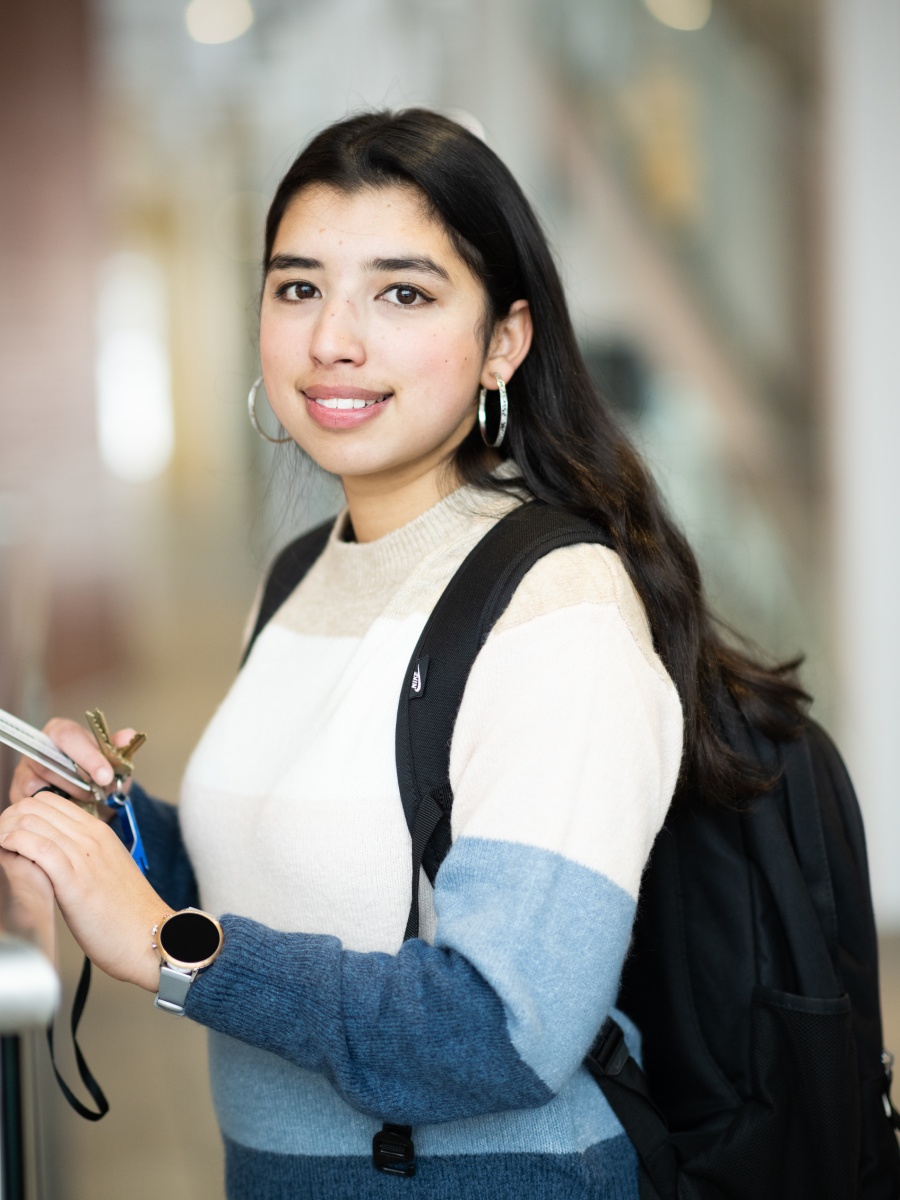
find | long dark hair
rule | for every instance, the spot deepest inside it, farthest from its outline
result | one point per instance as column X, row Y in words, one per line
column 569, row 448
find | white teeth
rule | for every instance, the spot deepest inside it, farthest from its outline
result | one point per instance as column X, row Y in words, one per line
column 341, row 403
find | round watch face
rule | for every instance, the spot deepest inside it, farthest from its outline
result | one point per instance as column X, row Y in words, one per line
column 190, row 938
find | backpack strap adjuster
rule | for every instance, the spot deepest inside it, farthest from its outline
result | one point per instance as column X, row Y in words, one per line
column 610, row 1051
column 392, row 1150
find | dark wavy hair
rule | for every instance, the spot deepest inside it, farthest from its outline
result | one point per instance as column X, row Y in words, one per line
column 563, row 436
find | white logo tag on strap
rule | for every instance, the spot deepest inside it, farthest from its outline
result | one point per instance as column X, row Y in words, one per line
column 420, row 674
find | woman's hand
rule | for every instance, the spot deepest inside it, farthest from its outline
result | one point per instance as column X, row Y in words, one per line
column 73, row 739
column 29, row 904
column 106, row 901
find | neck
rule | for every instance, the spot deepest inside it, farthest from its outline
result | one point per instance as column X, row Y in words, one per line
column 379, row 505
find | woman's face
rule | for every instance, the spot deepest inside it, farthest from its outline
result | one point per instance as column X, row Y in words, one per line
column 371, row 334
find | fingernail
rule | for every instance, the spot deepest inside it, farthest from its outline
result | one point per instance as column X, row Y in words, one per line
column 105, row 774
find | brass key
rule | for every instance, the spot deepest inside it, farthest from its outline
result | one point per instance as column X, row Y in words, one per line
column 118, row 757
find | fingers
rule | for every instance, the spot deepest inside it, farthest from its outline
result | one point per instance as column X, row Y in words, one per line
column 32, row 889
column 34, row 837
column 30, row 777
column 37, row 841
column 56, row 835
column 106, row 901
column 46, row 806
column 80, row 745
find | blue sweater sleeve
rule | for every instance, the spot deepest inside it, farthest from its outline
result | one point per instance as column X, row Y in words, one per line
column 495, row 1016
column 170, row 871
column 384, row 1029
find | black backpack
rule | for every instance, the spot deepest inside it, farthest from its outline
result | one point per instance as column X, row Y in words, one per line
column 753, row 971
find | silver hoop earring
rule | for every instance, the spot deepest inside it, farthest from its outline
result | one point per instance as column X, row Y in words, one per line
column 251, row 408
column 504, row 415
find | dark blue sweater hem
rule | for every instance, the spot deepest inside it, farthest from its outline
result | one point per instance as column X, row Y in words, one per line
column 606, row 1171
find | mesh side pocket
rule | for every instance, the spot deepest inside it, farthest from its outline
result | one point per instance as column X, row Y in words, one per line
column 797, row 1137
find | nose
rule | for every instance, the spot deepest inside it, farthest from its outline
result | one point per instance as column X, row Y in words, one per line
column 337, row 336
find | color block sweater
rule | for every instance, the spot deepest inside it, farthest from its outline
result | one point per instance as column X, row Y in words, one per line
column 323, row 1022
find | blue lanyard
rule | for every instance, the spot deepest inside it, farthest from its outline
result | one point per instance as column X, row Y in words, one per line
column 127, row 825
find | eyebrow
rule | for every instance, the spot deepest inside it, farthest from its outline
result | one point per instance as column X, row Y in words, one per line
column 420, row 263
column 293, row 262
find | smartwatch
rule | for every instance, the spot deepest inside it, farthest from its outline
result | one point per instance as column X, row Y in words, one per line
column 187, row 942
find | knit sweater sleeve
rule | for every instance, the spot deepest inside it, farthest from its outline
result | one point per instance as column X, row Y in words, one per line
column 564, row 759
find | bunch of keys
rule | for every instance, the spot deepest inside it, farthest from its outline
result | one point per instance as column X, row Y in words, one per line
column 36, row 745
column 119, row 758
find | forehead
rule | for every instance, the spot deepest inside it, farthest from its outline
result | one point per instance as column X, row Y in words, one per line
column 385, row 222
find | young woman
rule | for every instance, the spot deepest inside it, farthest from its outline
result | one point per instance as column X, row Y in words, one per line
column 404, row 274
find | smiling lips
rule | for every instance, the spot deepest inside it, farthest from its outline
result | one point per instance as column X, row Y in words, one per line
column 345, row 402
column 342, row 407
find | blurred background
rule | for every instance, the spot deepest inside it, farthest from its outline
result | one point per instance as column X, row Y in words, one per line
column 720, row 180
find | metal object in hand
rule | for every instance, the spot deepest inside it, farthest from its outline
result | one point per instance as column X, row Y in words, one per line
column 34, row 744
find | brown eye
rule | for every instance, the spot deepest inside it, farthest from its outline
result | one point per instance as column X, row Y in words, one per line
column 297, row 291
column 406, row 295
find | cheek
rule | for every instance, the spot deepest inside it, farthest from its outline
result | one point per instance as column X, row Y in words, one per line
column 446, row 367
column 277, row 343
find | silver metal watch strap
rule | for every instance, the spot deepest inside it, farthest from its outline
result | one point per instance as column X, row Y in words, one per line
column 174, row 986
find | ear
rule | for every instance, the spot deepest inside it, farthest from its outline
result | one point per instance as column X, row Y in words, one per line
column 510, row 343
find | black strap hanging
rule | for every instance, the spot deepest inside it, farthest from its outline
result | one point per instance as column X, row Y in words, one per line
column 81, row 995
column 624, row 1085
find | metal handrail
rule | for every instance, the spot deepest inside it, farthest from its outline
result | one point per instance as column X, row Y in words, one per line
column 29, row 996
column 29, row 983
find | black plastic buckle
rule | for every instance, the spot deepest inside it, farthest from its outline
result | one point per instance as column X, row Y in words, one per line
column 393, row 1151
column 610, row 1051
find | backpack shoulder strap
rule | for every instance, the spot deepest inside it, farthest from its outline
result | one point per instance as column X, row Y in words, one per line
column 291, row 565
column 433, row 687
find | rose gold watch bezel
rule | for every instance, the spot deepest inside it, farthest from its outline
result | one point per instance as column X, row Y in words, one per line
column 198, row 965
